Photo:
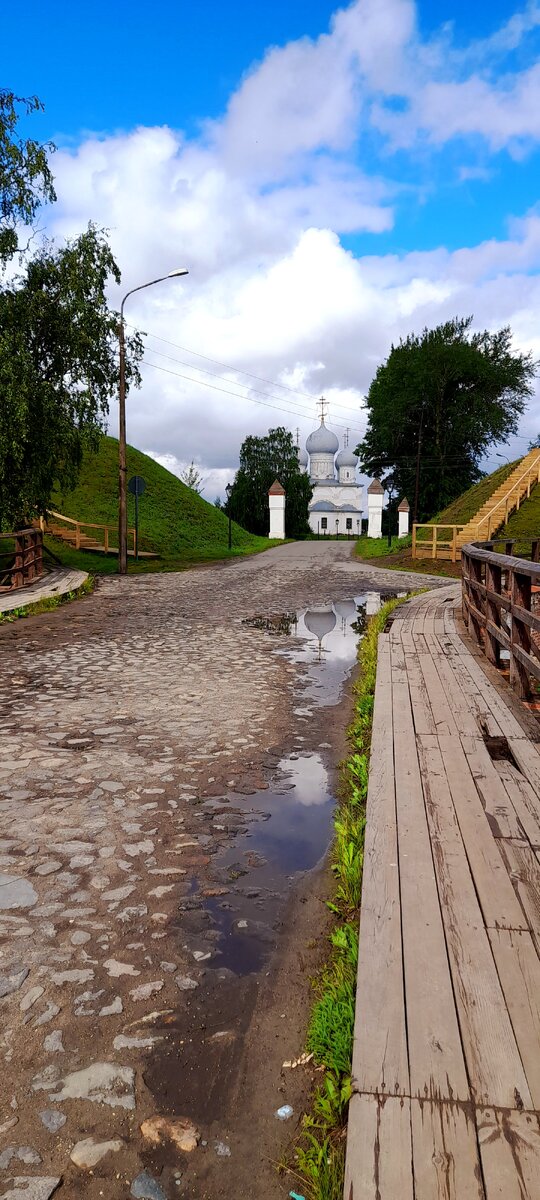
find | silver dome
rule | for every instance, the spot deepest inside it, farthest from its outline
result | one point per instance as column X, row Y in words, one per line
column 322, row 441
column 346, row 458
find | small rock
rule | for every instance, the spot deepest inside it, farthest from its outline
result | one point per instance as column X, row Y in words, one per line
column 185, row 983
column 121, row 1042
column 50, row 1013
column 48, row 867
column 115, row 969
column 112, row 1009
column 52, row 1120
column 145, row 990
column 25, row 1154
column 11, row 1121
column 32, row 1187
column 179, row 1130
column 168, row 966
column 222, row 1149
column 79, row 937
column 133, row 849
column 14, row 977
column 30, row 998
column 102, row 1083
column 145, row 1187
column 88, row 1152
column 16, row 892
column 201, row 955
column 53, row 1042
column 61, row 977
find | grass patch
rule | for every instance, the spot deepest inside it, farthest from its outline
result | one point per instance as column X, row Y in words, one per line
column 378, row 547
column 320, row 1153
column 47, row 604
column 465, row 507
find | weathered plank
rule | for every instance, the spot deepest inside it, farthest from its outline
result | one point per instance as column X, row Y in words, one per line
column 524, row 872
column 442, row 713
column 524, row 800
column 380, row 1047
column 528, row 761
column 510, row 1152
column 518, row 966
column 436, row 1063
column 498, row 901
column 499, row 810
column 445, row 1153
column 493, row 1060
column 378, row 1164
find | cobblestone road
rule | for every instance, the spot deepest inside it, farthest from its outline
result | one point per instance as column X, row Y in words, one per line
column 124, row 718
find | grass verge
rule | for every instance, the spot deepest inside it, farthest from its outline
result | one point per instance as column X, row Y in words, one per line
column 319, row 1156
column 47, row 604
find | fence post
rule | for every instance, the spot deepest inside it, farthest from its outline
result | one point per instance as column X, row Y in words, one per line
column 414, row 541
column 434, row 542
column 520, row 634
column 535, row 548
column 465, row 590
column 454, row 544
column 77, row 536
column 493, row 612
column 106, row 540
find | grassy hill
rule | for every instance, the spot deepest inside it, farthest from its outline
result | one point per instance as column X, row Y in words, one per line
column 464, row 508
column 174, row 521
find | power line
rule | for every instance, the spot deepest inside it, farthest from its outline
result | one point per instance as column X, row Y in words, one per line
column 227, row 392
column 228, row 367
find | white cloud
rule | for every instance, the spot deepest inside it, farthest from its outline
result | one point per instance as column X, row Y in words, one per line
column 255, row 208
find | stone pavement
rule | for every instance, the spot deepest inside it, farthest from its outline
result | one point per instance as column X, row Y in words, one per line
column 125, row 719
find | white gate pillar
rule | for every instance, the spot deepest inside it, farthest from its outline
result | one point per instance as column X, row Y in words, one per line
column 403, row 518
column 276, row 502
column 375, row 498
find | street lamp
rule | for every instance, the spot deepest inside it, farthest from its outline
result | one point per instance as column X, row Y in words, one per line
column 228, row 490
column 122, row 466
column 337, row 527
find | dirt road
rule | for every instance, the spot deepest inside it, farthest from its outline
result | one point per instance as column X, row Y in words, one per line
column 166, row 776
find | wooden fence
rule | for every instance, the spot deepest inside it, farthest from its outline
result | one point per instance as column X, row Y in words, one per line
column 440, row 543
column 500, row 596
column 22, row 560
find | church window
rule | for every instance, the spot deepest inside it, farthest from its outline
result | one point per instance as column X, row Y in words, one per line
column 348, row 523
column 324, row 522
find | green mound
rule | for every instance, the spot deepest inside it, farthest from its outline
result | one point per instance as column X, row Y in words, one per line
column 174, row 522
column 467, row 505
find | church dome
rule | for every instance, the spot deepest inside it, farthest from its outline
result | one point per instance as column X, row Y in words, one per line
column 322, row 441
column 346, row 458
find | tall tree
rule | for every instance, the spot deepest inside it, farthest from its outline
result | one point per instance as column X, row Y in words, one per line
column 58, row 370
column 262, row 460
column 436, row 405
column 58, row 338
column 25, row 176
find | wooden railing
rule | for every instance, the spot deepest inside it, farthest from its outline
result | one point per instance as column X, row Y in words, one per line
column 436, row 545
column 498, row 595
column 23, row 560
column 79, row 536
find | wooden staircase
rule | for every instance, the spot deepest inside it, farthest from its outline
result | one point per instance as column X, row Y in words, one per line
column 504, row 501
column 67, row 530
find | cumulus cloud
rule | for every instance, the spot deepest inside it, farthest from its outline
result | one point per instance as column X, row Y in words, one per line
column 257, row 208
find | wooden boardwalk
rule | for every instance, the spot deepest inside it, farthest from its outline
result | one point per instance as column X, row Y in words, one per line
column 446, row 1064
column 56, row 582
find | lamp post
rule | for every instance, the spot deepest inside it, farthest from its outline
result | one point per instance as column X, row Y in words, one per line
column 337, row 527
column 228, row 490
column 122, row 467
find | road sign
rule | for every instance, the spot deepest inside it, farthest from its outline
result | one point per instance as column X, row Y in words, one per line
column 136, row 485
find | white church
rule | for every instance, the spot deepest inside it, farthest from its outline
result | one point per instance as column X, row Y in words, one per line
column 336, row 504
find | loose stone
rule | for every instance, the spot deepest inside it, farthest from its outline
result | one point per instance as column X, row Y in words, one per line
column 25, row 1154
column 145, row 990
column 32, row 1187
column 14, row 977
column 179, row 1130
column 144, row 1187
column 52, row 1120
column 88, row 1152
column 115, row 968
column 112, row 1009
column 53, row 1042
column 102, row 1083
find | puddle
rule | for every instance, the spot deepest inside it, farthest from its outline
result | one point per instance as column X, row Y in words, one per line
column 287, row 829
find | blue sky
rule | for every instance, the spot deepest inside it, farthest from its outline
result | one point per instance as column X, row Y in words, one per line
column 333, row 178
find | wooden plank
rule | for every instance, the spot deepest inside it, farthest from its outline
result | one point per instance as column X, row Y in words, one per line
column 510, row 1153
column 518, row 966
column 524, row 799
column 422, row 714
column 445, row 1153
column 496, row 802
column 500, row 710
column 524, row 872
column 378, row 1163
column 493, row 1061
column 442, row 713
column 436, row 1063
column 498, row 901
column 458, row 701
column 380, row 1046
column 528, row 761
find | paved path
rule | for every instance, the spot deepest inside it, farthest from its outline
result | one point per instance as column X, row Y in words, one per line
column 446, row 1064
column 57, row 582
column 135, row 725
